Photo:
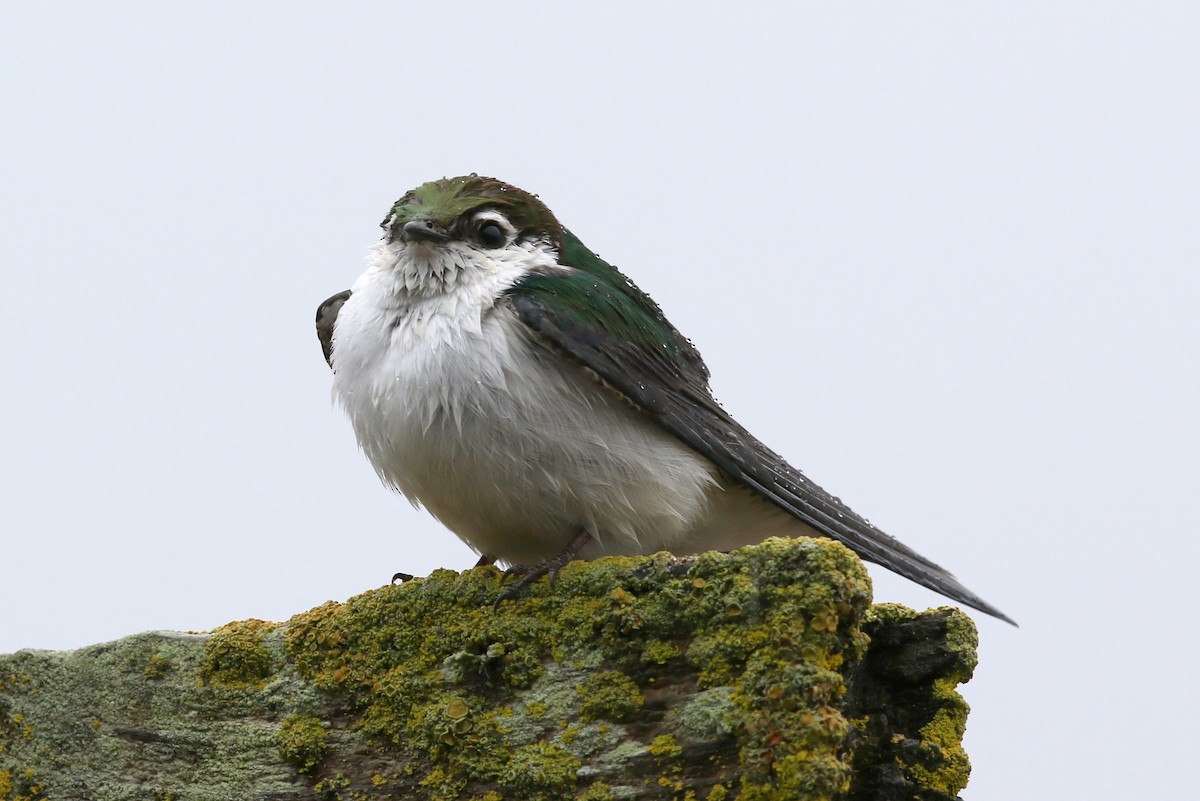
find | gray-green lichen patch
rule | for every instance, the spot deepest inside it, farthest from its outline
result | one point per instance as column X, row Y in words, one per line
column 131, row 720
column 717, row 677
column 707, row 716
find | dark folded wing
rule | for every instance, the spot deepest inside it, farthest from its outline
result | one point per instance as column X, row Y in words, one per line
column 327, row 314
column 645, row 359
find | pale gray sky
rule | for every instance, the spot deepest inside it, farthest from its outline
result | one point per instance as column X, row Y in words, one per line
column 941, row 256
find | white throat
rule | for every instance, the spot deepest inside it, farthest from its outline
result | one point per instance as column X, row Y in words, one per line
column 422, row 270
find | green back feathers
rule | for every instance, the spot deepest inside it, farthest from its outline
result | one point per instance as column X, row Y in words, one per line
column 600, row 307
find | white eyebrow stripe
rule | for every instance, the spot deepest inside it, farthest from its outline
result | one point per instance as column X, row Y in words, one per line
column 491, row 215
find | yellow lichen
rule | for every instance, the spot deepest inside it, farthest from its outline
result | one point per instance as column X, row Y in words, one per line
column 609, row 695
column 236, row 657
column 157, row 667
column 432, row 667
column 25, row 786
column 302, row 742
column 664, row 745
column 717, row 793
column 539, row 772
column 597, row 791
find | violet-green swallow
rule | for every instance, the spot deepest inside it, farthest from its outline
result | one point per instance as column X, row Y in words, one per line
column 525, row 392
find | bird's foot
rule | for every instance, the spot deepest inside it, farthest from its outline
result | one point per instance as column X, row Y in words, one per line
column 531, row 573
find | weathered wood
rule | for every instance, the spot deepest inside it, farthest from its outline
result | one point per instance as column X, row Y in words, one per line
column 761, row 674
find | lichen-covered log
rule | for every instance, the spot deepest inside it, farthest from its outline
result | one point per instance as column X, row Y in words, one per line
column 760, row 674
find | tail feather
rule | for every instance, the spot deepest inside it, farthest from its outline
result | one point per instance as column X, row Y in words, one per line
column 789, row 489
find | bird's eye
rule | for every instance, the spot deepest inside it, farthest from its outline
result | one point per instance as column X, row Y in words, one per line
column 491, row 235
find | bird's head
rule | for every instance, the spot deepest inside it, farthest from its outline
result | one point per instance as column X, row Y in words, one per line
column 448, row 231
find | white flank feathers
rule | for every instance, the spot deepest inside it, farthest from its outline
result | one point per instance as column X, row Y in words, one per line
column 511, row 446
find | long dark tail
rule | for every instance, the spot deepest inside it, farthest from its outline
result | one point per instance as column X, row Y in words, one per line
column 700, row 422
column 790, row 489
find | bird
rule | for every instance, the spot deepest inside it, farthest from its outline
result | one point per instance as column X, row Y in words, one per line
column 524, row 391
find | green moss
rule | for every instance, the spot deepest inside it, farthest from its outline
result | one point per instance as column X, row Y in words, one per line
column 609, row 695
column 302, row 742
column 236, row 657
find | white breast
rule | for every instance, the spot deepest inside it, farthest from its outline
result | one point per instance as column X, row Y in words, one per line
column 510, row 446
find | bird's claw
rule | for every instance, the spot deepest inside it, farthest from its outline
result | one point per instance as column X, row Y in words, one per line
column 528, row 575
column 550, row 567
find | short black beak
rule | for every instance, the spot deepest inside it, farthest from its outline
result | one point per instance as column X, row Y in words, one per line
column 423, row 231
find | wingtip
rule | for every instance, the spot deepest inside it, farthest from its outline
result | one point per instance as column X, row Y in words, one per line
column 996, row 613
column 1007, row 619
column 980, row 605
